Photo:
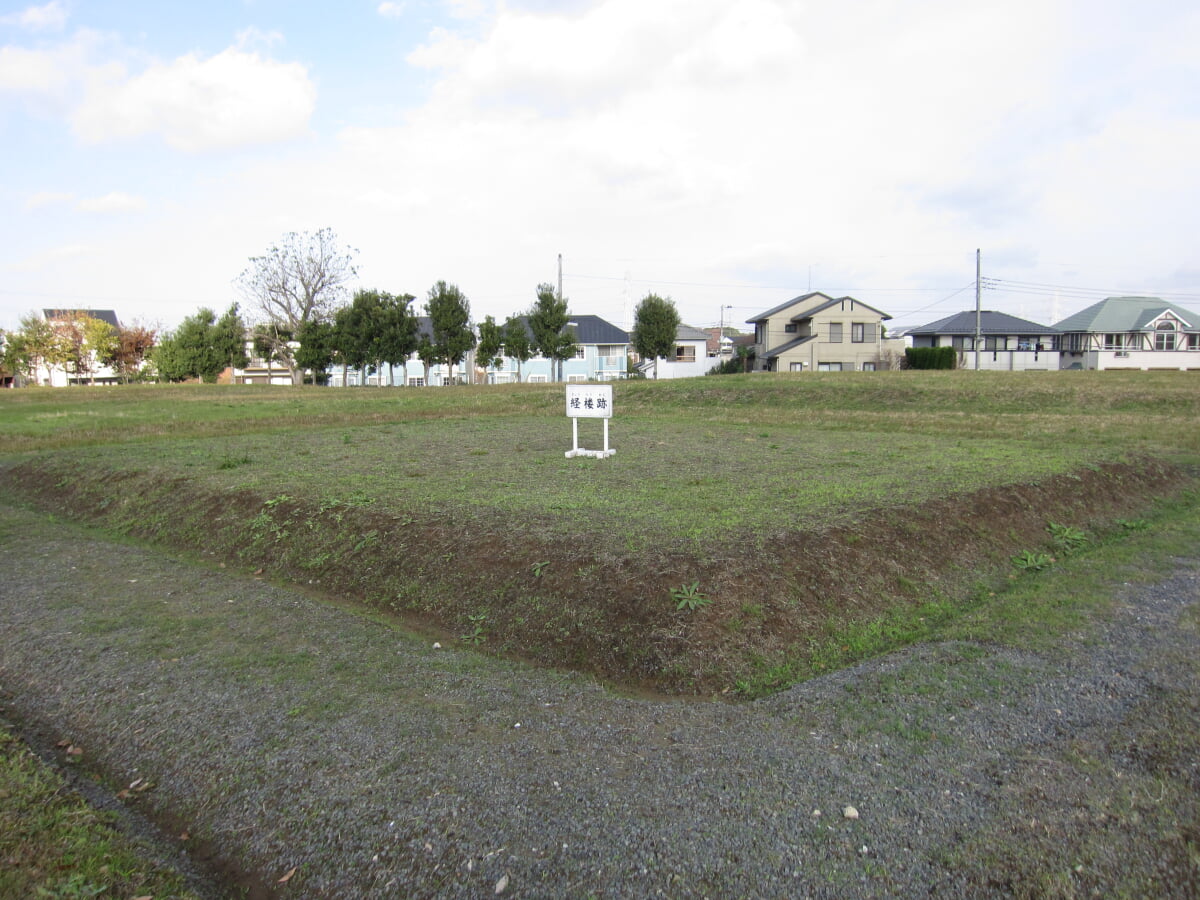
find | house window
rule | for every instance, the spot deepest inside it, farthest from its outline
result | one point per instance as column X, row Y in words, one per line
column 1194, row 341
column 829, row 367
column 1114, row 341
column 574, row 378
column 537, row 379
column 580, row 353
column 963, row 343
column 760, row 332
column 685, row 353
column 858, row 332
column 868, row 367
column 796, row 367
column 1164, row 336
column 835, row 332
column 416, row 382
column 790, row 328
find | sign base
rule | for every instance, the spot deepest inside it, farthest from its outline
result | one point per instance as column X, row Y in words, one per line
column 576, row 450
column 594, row 454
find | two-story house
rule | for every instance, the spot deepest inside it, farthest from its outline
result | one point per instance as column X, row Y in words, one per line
column 818, row 333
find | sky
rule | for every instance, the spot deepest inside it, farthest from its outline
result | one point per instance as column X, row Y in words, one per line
column 728, row 154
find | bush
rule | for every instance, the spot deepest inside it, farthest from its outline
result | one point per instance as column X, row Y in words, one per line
column 931, row 357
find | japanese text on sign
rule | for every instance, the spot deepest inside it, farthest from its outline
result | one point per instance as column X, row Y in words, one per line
column 589, row 401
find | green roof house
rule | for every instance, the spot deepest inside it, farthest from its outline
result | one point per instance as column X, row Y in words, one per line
column 1131, row 333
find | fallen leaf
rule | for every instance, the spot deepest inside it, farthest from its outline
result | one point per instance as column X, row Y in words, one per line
column 184, row 836
column 288, row 876
column 63, row 744
column 502, row 884
column 74, row 751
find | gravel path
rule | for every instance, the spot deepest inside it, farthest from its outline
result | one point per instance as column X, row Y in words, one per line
column 284, row 733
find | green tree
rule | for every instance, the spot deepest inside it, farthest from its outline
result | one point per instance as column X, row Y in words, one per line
column 102, row 342
column 516, row 341
column 40, row 345
column 13, row 360
column 450, row 320
column 491, row 342
column 202, row 347
column 548, row 321
column 427, row 353
column 297, row 280
column 655, row 324
column 317, row 348
column 396, row 339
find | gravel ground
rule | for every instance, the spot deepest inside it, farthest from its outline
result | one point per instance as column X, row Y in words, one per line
column 287, row 734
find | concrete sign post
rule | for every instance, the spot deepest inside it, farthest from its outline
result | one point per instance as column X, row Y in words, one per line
column 589, row 401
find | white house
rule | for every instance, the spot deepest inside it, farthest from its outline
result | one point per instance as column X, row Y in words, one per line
column 1006, row 342
column 689, row 359
column 1131, row 333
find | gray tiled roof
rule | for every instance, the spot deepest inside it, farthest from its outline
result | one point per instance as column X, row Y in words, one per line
column 688, row 333
column 104, row 315
column 810, row 310
column 990, row 322
column 590, row 330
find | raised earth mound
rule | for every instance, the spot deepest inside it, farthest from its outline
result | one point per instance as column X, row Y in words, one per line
column 744, row 615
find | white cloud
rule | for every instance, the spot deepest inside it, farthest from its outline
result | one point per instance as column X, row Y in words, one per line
column 390, row 10
column 231, row 99
column 48, row 199
column 51, row 258
column 39, row 76
column 113, row 202
column 51, row 17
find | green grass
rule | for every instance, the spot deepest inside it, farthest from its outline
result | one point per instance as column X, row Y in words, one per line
column 796, row 504
column 53, row 845
column 697, row 458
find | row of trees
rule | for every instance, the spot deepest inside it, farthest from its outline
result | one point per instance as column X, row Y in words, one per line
column 295, row 292
column 77, row 343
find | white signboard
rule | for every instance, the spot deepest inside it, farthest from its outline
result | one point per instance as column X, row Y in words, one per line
column 589, row 401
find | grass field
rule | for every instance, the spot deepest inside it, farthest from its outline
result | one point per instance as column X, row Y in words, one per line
column 746, row 525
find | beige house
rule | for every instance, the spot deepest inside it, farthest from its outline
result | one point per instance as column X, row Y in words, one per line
column 818, row 333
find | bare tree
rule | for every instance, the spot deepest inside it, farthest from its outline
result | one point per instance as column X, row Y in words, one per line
column 296, row 281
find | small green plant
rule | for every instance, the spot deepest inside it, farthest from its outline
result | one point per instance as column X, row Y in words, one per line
column 1133, row 524
column 1067, row 538
column 232, row 462
column 539, row 567
column 370, row 539
column 478, row 633
column 1032, row 562
column 688, row 596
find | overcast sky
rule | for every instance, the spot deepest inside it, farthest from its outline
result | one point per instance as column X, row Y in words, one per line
column 730, row 154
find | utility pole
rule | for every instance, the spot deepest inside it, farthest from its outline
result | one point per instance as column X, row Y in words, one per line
column 977, row 313
column 721, row 331
column 560, row 362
